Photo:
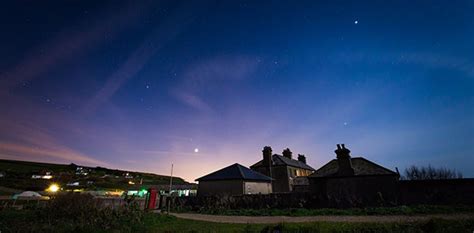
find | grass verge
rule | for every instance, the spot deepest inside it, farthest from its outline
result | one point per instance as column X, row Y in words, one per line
column 25, row 221
column 399, row 210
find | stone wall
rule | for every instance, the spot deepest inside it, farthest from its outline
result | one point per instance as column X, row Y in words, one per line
column 253, row 187
column 357, row 191
column 345, row 193
column 262, row 201
column 279, row 174
column 220, row 187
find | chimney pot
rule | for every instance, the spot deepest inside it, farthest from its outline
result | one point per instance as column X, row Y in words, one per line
column 344, row 161
column 287, row 153
column 302, row 158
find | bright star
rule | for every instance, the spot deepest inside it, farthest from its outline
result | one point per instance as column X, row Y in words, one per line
column 356, row 22
column 196, row 150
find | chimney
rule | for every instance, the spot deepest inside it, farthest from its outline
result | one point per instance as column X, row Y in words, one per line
column 287, row 153
column 267, row 156
column 344, row 161
column 302, row 158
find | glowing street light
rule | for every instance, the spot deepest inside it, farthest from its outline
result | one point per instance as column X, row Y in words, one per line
column 53, row 188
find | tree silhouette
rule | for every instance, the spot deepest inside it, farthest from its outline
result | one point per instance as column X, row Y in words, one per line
column 430, row 173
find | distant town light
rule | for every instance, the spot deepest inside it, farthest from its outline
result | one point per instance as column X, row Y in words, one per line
column 53, row 188
column 131, row 182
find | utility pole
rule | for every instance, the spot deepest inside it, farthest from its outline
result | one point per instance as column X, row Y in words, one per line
column 171, row 184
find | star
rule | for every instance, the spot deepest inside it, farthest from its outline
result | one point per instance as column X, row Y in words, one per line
column 345, row 123
column 147, row 86
column 196, row 150
column 356, row 22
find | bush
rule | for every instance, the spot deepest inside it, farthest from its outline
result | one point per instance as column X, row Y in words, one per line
column 71, row 212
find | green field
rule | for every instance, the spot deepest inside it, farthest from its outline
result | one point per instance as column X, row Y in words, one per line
column 18, row 176
column 398, row 210
column 171, row 224
column 23, row 221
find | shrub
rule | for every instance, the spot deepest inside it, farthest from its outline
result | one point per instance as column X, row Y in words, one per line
column 72, row 212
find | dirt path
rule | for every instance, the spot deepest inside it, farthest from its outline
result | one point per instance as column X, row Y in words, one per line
column 279, row 219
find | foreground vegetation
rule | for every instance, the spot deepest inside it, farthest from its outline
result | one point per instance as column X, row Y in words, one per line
column 24, row 221
column 80, row 213
column 399, row 210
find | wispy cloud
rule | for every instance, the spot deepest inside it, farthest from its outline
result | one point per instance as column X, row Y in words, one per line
column 166, row 31
column 193, row 100
column 61, row 153
column 29, row 132
column 67, row 45
column 202, row 74
column 27, row 142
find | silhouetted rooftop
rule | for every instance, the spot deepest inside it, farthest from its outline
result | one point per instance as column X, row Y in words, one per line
column 282, row 160
column 360, row 165
column 235, row 172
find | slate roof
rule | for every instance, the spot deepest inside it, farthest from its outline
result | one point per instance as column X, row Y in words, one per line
column 282, row 160
column 235, row 172
column 361, row 167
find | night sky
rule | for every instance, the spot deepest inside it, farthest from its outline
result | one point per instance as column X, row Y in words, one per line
column 140, row 85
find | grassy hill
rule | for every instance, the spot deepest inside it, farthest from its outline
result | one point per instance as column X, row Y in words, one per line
column 18, row 175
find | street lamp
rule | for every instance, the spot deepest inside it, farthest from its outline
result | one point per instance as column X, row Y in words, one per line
column 53, row 188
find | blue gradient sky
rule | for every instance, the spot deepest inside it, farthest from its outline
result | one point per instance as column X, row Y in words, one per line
column 141, row 85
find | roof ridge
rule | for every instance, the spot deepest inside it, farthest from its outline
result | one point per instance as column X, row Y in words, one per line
column 296, row 163
column 240, row 170
column 214, row 172
column 317, row 170
column 373, row 163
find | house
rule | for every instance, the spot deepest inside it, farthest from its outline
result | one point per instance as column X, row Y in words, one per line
column 82, row 171
column 180, row 190
column 47, row 175
column 28, row 195
column 127, row 175
column 355, row 181
column 74, row 183
column 283, row 169
column 234, row 180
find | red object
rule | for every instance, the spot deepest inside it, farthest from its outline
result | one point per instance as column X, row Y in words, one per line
column 151, row 199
